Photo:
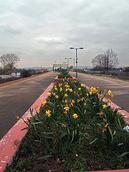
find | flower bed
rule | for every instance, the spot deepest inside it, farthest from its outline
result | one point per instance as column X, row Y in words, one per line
column 64, row 74
column 74, row 131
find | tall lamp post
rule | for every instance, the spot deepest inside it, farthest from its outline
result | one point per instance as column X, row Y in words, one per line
column 76, row 57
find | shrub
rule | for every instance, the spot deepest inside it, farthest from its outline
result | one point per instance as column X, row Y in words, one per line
column 25, row 73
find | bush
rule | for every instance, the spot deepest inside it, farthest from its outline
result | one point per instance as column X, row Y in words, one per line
column 25, row 73
column 64, row 74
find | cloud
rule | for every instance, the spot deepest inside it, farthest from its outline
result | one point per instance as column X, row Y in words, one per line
column 49, row 40
column 41, row 31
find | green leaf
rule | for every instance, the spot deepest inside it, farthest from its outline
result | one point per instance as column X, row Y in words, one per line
column 45, row 157
column 124, row 154
column 110, row 132
column 93, row 141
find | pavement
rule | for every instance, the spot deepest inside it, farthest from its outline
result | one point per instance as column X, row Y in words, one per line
column 120, row 88
column 17, row 97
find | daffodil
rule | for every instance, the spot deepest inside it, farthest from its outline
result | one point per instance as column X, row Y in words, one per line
column 105, row 106
column 49, row 94
column 70, row 90
column 56, row 96
column 75, row 116
column 53, row 94
column 82, row 85
column 92, row 90
column 65, row 95
column 55, row 88
column 109, row 92
column 73, row 101
column 90, row 93
column 65, row 112
column 61, row 89
column 60, row 85
column 66, row 108
column 48, row 113
column 63, row 125
column 44, row 102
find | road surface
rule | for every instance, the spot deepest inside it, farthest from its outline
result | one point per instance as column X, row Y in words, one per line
column 119, row 87
column 16, row 98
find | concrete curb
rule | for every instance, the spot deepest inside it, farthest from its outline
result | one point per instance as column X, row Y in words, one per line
column 10, row 143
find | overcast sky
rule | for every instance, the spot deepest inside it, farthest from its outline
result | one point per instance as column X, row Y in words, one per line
column 40, row 32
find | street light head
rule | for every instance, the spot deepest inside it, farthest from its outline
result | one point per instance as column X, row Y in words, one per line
column 71, row 48
column 81, row 48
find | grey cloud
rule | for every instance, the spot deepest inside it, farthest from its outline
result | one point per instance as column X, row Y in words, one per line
column 42, row 30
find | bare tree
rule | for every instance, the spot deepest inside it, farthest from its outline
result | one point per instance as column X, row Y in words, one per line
column 9, row 61
column 106, row 61
column 97, row 61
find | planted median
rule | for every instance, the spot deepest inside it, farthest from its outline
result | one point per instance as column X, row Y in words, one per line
column 74, row 131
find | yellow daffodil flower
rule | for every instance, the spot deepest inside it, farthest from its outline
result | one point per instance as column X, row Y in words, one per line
column 55, row 88
column 53, row 94
column 66, row 108
column 109, row 92
column 105, row 106
column 60, row 85
column 70, row 90
column 56, row 96
column 65, row 112
column 49, row 94
column 75, row 116
column 61, row 89
column 92, row 90
column 48, row 113
column 82, row 85
column 65, row 95
column 44, row 102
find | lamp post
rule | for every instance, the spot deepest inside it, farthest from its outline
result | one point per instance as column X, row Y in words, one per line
column 76, row 57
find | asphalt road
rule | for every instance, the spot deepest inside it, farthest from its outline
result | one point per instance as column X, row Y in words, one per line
column 119, row 87
column 16, row 98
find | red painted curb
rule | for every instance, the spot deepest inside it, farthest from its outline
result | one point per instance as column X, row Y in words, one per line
column 65, row 79
column 10, row 143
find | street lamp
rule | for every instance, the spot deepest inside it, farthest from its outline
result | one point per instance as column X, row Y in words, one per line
column 76, row 60
column 67, row 58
